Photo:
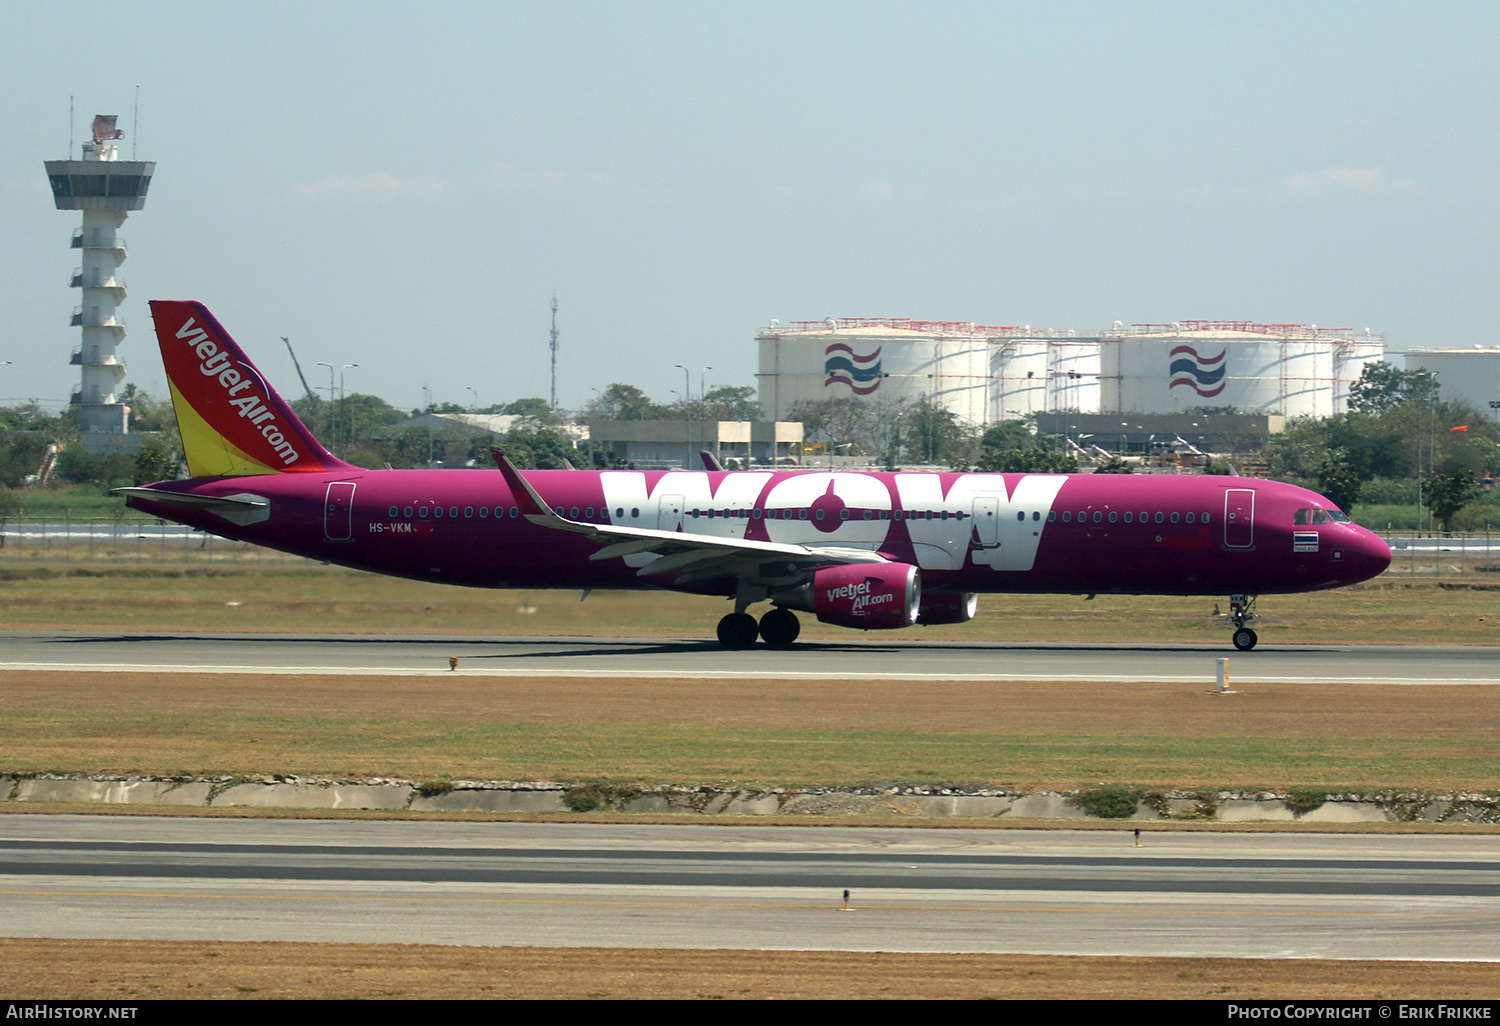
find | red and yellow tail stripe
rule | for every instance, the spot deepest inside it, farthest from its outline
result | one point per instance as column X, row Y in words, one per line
column 232, row 421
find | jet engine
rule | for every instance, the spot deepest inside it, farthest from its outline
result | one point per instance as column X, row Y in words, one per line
column 868, row 596
column 948, row 607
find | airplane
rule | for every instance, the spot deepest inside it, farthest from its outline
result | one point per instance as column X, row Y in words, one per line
column 861, row 549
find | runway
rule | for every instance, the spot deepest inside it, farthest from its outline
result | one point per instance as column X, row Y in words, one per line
column 859, row 658
column 1180, row 894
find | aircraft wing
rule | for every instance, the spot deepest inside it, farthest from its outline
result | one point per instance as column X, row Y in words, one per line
column 696, row 557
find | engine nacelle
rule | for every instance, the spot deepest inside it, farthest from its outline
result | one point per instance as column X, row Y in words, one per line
column 867, row 596
column 948, row 607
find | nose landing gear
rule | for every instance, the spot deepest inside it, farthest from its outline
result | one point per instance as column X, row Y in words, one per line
column 1242, row 611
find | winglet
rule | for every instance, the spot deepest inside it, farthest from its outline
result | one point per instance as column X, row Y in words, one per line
column 532, row 506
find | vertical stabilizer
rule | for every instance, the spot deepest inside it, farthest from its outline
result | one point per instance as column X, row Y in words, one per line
column 232, row 421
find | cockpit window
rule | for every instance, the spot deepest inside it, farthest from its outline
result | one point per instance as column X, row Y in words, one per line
column 1300, row 518
column 1322, row 516
column 1339, row 516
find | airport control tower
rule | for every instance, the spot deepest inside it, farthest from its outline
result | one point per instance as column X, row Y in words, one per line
column 105, row 188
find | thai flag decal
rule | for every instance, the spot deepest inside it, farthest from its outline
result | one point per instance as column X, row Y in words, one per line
column 845, row 366
column 1200, row 373
column 1304, row 541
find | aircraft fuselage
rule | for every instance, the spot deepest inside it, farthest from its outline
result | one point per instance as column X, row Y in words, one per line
column 1080, row 533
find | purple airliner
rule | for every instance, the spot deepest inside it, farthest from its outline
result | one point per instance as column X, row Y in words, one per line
column 868, row 550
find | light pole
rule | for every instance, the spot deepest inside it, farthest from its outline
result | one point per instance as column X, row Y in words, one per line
column 687, row 388
column 332, row 421
column 702, row 387
column 341, row 399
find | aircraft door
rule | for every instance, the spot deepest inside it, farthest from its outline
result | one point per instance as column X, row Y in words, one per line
column 987, row 520
column 669, row 513
column 338, row 511
column 1239, row 518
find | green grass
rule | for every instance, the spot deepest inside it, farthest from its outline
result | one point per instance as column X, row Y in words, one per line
column 78, row 501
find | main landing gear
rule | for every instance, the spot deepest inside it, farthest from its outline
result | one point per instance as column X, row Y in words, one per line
column 1242, row 611
column 779, row 628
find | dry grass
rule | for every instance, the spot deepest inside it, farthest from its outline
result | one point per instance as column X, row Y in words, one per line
column 1356, row 737
column 155, row 970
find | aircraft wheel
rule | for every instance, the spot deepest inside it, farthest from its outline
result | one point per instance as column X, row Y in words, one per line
column 780, row 627
column 738, row 630
column 1245, row 639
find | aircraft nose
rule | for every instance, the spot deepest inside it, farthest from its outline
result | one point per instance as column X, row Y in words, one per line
column 1368, row 556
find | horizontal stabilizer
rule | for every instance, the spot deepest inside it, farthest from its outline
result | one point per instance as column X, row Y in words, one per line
column 242, row 509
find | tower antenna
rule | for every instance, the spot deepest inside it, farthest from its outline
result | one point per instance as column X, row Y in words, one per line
column 554, row 350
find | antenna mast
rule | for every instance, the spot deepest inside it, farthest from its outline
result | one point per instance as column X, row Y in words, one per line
column 554, row 350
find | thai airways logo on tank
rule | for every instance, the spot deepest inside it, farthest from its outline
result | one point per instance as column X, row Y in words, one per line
column 1203, row 374
column 844, row 366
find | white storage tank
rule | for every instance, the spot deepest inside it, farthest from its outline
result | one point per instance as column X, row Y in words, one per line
column 1290, row 369
column 885, row 362
column 1043, row 371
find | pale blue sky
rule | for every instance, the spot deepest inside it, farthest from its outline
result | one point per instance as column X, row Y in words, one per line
column 403, row 186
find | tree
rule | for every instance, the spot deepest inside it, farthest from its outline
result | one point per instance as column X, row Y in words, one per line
column 1338, row 480
column 935, row 435
column 534, row 409
column 538, row 448
column 1006, row 435
column 148, row 413
column 1035, row 460
column 840, row 421
column 156, row 460
column 730, row 402
column 624, row 402
column 1382, row 387
column 1447, row 492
